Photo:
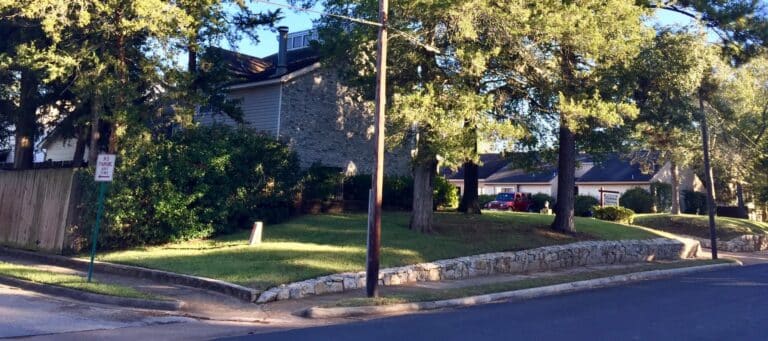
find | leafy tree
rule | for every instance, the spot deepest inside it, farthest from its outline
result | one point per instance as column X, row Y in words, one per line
column 438, row 82
column 668, row 71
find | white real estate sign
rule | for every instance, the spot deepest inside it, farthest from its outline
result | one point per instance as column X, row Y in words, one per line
column 610, row 199
column 105, row 167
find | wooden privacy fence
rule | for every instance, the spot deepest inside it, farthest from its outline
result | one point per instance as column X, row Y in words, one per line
column 36, row 208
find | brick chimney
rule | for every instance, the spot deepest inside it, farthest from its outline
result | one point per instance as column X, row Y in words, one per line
column 282, row 52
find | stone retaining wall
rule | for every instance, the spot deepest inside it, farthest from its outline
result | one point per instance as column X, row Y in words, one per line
column 539, row 259
column 745, row 243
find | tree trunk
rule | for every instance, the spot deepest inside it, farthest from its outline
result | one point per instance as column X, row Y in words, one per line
column 566, row 180
column 423, row 192
column 192, row 66
column 77, row 157
column 93, row 151
column 740, row 199
column 470, row 202
column 26, row 122
column 708, row 177
column 675, row 187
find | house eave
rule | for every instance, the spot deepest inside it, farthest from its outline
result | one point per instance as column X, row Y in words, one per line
column 613, row 183
column 283, row 79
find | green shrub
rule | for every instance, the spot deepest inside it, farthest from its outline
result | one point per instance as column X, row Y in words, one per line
column 539, row 200
column 485, row 198
column 446, row 194
column 322, row 183
column 614, row 213
column 638, row 200
column 398, row 190
column 662, row 196
column 583, row 204
column 695, row 202
column 200, row 182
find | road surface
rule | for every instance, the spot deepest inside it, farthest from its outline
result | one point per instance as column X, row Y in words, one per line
column 729, row 304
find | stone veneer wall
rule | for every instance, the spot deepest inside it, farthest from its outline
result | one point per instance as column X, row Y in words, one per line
column 327, row 122
column 539, row 259
column 745, row 243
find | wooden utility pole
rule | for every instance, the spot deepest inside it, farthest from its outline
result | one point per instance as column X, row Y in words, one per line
column 374, row 224
column 709, row 182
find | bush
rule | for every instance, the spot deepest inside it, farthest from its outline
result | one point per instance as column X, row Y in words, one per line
column 485, row 198
column 446, row 194
column 695, row 202
column 638, row 200
column 583, row 204
column 200, row 182
column 398, row 190
column 614, row 213
column 539, row 200
column 662, row 196
column 322, row 183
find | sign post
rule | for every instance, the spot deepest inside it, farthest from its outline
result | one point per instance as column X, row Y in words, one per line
column 105, row 169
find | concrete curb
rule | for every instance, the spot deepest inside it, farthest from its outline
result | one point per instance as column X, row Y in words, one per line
column 168, row 305
column 230, row 289
column 318, row 312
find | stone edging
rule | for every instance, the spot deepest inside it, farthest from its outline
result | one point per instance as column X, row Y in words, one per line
column 743, row 243
column 340, row 312
column 238, row 291
column 539, row 259
column 90, row 297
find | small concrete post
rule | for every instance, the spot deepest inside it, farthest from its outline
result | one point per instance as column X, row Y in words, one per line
column 255, row 239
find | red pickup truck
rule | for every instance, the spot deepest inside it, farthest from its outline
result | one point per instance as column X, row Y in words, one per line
column 520, row 202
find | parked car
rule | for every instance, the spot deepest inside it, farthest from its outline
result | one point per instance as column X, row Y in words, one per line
column 516, row 201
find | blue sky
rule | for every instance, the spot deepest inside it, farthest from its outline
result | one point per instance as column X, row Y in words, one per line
column 298, row 21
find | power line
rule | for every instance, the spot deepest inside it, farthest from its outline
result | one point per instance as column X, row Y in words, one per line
column 413, row 39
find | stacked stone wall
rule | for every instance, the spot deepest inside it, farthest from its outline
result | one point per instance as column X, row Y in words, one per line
column 533, row 260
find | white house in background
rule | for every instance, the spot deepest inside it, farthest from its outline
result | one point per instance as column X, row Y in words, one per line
column 614, row 174
column 59, row 149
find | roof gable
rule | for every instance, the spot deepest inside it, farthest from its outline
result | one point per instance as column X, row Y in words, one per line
column 249, row 69
column 615, row 169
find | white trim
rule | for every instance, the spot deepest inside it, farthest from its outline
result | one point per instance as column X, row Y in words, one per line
column 279, row 110
column 517, row 183
column 283, row 79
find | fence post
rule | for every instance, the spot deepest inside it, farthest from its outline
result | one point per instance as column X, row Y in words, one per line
column 255, row 239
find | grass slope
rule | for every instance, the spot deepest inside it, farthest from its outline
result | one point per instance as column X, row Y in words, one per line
column 68, row 281
column 698, row 226
column 311, row 246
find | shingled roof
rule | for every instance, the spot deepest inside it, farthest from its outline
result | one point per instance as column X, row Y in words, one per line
column 615, row 169
column 491, row 162
column 509, row 174
column 250, row 69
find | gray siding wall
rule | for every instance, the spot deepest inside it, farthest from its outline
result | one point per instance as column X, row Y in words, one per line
column 260, row 108
column 329, row 123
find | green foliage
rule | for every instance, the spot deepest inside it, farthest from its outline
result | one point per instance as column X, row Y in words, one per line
column 322, row 183
column 200, row 182
column 483, row 199
column 662, row 196
column 614, row 213
column 583, row 204
column 638, row 200
column 539, row 199
column 446, row 194
column 398, row 190
column 695, row 202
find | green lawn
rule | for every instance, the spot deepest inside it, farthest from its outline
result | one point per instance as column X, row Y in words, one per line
column 698, row 226
column 68, row 281
column 425, row 294
column 311, row 246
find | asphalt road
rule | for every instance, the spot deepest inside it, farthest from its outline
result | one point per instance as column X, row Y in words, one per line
column 729, row 304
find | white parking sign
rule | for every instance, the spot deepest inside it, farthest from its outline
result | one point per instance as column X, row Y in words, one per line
column 105, row 167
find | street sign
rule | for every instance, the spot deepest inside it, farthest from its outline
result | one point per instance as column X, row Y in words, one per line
column 105, row 167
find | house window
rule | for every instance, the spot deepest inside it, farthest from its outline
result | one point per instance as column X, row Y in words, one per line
column 507, row 190
column 458, row 190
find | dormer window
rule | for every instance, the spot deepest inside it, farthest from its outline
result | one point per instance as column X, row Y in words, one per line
column 301, row 39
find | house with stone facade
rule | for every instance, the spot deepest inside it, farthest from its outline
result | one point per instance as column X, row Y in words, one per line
column 290, row 95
